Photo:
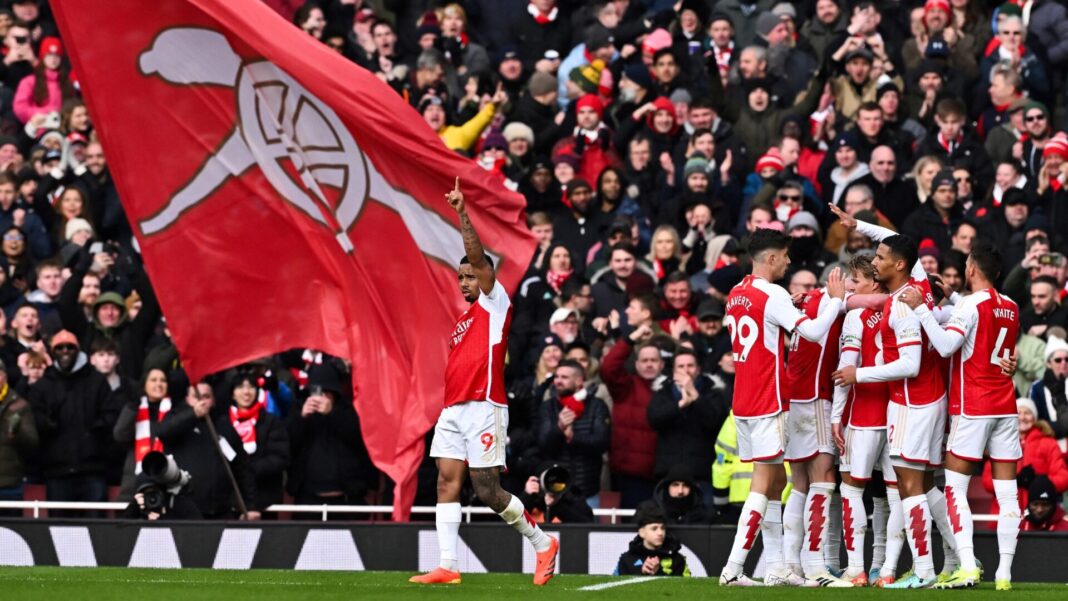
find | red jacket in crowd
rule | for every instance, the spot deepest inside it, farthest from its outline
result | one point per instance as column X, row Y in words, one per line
column 1041, row 452
column 633, row 440
column 1058, row 523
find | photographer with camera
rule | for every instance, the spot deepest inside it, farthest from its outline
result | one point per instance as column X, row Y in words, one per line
column 115, row 268
column 162, row 491
column 548, row 498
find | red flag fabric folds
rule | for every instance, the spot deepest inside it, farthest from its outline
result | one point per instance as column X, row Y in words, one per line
column 283, row 197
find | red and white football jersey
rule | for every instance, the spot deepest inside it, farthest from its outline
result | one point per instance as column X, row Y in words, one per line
column 810, row 364
column 759, row 316
column 901, row 328
column 989, row 323
column 866, row 404
column 477, row 347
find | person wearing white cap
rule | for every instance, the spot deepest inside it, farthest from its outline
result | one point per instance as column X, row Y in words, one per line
column 1050, row 392
column 565, row 324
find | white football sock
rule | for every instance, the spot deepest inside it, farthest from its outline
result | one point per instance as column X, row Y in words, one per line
column 918, row 533
column 817, row 523
column 771, row 530
column 854, row 526
column 895, row 533
column 960, row 517
column 447, row 520
column 936, row 505
column 749, row 522
column 1008, row 525
column 516, row 516
column 793, row 528
column 879, row 516
column 832, row 548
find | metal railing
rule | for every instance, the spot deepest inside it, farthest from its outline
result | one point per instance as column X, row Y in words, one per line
column 613, row 513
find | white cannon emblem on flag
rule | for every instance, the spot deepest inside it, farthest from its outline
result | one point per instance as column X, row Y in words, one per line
column 280, row 121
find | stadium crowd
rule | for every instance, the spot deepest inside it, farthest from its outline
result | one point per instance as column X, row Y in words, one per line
column 650, row 139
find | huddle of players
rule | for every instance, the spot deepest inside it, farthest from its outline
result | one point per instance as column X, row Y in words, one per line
column 872, row 376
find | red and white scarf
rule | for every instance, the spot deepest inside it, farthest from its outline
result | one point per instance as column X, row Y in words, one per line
column 244, row 420
column 555, row 279
column 144, row 443
column 541, row 19
column 950, row 145
column 310, row 358
column 575, row 402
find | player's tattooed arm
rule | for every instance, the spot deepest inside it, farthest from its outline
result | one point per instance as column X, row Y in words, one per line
column 476, row 254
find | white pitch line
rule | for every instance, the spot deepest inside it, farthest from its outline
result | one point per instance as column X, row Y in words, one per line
column 615, row 583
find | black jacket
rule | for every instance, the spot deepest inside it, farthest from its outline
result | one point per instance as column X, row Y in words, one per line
column 568, row 508
column 686, row 436
column 969, row 154
column 925, row 222
column 542, row 119
column 328, row 452
column 74, row 413
column 690, row 509
column 187, row 438
column 582, row 457
column 672, row 561
column 534, row 39
column 896, row 199
column 271, row 458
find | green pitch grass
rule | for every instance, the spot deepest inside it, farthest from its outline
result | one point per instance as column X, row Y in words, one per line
column 126, row 584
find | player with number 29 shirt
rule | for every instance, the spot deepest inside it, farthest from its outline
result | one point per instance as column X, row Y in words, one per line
column 759, row 316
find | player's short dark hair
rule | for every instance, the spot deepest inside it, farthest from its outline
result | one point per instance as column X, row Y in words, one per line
column 903, row 248
column 987, row 258
column 466, row 261
column 1046, row 279
column 765, row 239
column 575, row 365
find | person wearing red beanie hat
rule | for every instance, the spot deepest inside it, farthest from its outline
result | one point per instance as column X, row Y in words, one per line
column 56, row 75
column 770, row 160
column 590, row 101
column 1054, row 159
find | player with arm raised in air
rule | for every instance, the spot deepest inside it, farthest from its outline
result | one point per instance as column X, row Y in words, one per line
column 759, row 317
column 470, row 435
column 933, row 368
column 981, row 339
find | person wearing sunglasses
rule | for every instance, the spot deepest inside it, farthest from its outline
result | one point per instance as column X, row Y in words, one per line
column 1050, row 392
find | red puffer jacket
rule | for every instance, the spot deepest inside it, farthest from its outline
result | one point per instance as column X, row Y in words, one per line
column 633, row 440
column 1041, row 452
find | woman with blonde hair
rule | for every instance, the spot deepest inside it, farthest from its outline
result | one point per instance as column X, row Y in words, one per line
column 665, row 252
column 922, row 175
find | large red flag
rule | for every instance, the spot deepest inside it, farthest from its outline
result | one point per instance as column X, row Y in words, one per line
column 284, row 197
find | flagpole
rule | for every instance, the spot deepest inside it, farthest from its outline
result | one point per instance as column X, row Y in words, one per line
column 222, row 457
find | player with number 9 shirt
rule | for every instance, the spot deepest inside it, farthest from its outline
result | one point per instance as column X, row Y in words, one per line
column 759, row 316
